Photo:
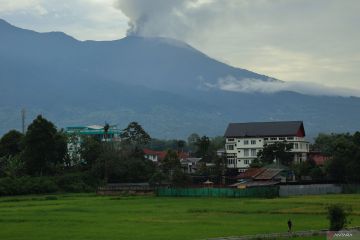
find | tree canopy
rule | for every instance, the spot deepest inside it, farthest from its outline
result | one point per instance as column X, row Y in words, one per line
column 279, row 151
column 135, row 135
column 45, row 147
column 344, row 152
column 10, row 143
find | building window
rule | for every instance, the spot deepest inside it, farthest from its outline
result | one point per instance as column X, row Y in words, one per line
column 273, row 138
column 246, row 142
column 246, row 161
column 253, row 142
column 246, row 152
column 230, row 139
column 296, row 146
column 290, row 138
column 282, row 138
column 230, row 147
column 266, row 139
column 253, row 152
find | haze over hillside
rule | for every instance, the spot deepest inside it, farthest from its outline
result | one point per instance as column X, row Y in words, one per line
column 169, row 87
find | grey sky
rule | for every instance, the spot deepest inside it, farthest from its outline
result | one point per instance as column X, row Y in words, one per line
column 292, row 40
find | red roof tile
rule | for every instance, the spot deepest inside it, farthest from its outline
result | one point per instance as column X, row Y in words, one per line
column 162, row 154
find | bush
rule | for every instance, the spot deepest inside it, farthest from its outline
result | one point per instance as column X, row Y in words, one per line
column 76, row 182
column 27, row 185
column 337, row 215
column 180, row 179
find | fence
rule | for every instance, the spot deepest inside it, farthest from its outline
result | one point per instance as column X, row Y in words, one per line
column 265, row 192
column 119, row 188
column 313, row 189
column 350, row 188
column 219, row 191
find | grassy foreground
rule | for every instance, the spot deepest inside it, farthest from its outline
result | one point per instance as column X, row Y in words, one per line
column 96, row 217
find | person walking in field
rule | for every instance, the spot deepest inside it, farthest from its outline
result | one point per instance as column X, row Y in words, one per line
column 289, row 223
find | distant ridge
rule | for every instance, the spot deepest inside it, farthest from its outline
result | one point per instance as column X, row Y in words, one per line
column 161, row 83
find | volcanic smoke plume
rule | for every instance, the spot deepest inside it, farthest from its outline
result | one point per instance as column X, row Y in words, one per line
column 165, row 18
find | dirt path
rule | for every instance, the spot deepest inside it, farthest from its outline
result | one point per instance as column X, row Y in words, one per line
column 282, row 235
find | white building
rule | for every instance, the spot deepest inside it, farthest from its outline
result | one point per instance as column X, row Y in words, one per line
column 76, row 135
column 245, row 140
column 190, row 165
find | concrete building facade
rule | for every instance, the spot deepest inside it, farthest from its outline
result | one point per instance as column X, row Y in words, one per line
column 245, row 140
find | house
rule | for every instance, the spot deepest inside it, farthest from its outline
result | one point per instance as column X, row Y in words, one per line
column 155, row 156
column 318, row 157
column 190, row 165
column 245, row 140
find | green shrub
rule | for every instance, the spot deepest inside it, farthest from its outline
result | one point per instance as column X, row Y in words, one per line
column 72, row 182
column 27, row 185
column 337, row 215
column 76, row 182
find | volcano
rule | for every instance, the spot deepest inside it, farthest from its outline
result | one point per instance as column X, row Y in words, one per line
column 164, row 84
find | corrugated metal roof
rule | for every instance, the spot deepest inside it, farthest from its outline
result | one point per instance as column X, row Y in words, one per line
column 268, row 174
column 264, row 129
column 255, row 184
column 250, row 173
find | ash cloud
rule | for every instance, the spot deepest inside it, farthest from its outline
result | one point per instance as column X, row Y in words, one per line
column 165, row 18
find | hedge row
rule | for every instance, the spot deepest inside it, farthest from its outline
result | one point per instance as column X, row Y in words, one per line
column 76, row 182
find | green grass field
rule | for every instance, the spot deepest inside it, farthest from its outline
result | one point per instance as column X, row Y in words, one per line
column 74, row 217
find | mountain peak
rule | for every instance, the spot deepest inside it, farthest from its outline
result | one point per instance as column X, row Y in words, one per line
column 168, row 41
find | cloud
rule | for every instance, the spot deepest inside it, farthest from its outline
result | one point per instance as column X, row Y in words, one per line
column 33, row 6
column 82, row 19
column 232, row 84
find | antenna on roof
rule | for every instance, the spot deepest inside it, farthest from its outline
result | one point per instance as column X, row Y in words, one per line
column 23, row 115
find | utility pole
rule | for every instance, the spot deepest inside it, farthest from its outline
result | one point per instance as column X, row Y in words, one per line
column 23, row 113
column 106, row 129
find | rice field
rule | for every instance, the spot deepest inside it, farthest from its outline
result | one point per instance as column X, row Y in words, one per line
column 87, row 216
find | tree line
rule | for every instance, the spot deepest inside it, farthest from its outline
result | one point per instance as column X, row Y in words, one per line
column 42, row 152
column 39, row 159
column 342, row 151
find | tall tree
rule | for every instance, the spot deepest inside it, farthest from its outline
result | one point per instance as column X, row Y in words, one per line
column 170, row 163
column 44, row 147
column 279, row 151
column 10, row 143
column 180, row 145
column 90, row 150
column 203, row 147
column 135, row 135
